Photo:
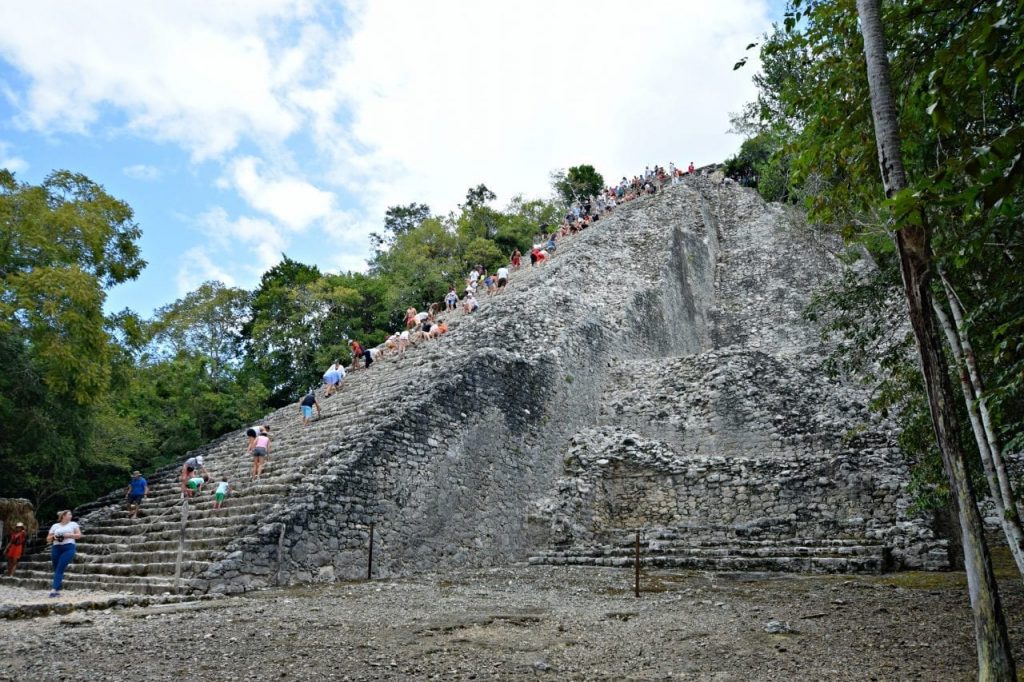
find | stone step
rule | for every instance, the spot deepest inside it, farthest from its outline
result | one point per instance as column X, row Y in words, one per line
column 196, row 544
column 205, row 516
column 115, row 581
column 761, row 551
column 213, row 535
column 691, row 540
column 101, row 583
column 776, row 533
column 203, row 501
column 783, row 564
column 196, row 518
column 123, row 570
column 133, row 556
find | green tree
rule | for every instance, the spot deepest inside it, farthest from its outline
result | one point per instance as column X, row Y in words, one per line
column 478, row 222
column 956, row 211
column 421, row 266
column 913, row 243
column 577, row 183
column 180, row 403
column 522, row 220
column 960, row 116
column 206, row 322
column 63, row 243
column 485, row 252
column 397, row 221
column 280, row 350
column 761, row 163
column 478, row 196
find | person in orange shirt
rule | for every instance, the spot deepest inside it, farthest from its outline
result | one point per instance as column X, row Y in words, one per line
column 440, row 328
column 15, row 546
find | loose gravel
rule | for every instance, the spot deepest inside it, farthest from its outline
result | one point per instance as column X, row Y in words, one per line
column 527, row 623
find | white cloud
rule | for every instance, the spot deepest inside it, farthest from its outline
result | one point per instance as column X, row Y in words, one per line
column 444, row 95
column 196, row 73
column 196, row 267
column 252, row 244
column 141, row 171
column 290, row 200
column 11, row 162
column 319, row 116
column 235, row 251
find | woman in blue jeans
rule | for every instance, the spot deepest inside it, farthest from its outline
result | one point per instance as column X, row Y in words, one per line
column 63, row 535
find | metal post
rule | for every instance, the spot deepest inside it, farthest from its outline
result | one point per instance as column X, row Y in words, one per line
column 636, row 567
column 181, row 546
column 369, row 558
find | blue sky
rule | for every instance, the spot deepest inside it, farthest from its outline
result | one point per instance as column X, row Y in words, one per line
column 241, row 129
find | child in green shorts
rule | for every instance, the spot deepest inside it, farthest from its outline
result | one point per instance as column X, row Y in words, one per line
column 195, row 484
column 223, row 488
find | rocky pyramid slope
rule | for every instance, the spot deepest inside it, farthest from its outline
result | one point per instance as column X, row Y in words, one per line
column 656, row 374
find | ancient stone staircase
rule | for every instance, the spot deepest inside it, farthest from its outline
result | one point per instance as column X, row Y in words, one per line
column 140, row 555
column 119, row 553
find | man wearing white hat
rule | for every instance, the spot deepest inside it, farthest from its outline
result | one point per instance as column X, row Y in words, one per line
column 192, row 465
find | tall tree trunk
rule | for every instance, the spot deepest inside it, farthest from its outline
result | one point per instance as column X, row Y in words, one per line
column 971, row 362
column 995, row 660
column 1008, row 516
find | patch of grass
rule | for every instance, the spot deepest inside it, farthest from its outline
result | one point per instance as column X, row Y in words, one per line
column 1002, row 562
column 926, row 580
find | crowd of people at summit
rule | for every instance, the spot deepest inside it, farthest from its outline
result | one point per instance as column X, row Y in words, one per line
column 428, row 324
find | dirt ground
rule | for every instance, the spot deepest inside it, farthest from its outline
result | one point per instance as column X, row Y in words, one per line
column 530, row 623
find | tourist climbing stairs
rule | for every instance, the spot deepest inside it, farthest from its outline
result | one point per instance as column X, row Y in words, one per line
column 141, row 555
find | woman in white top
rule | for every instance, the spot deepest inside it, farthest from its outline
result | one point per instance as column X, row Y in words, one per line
column 63, row 535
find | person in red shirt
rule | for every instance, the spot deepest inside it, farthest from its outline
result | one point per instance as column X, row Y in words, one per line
column 690, row 168
column 15, row 546
column 359, row 352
